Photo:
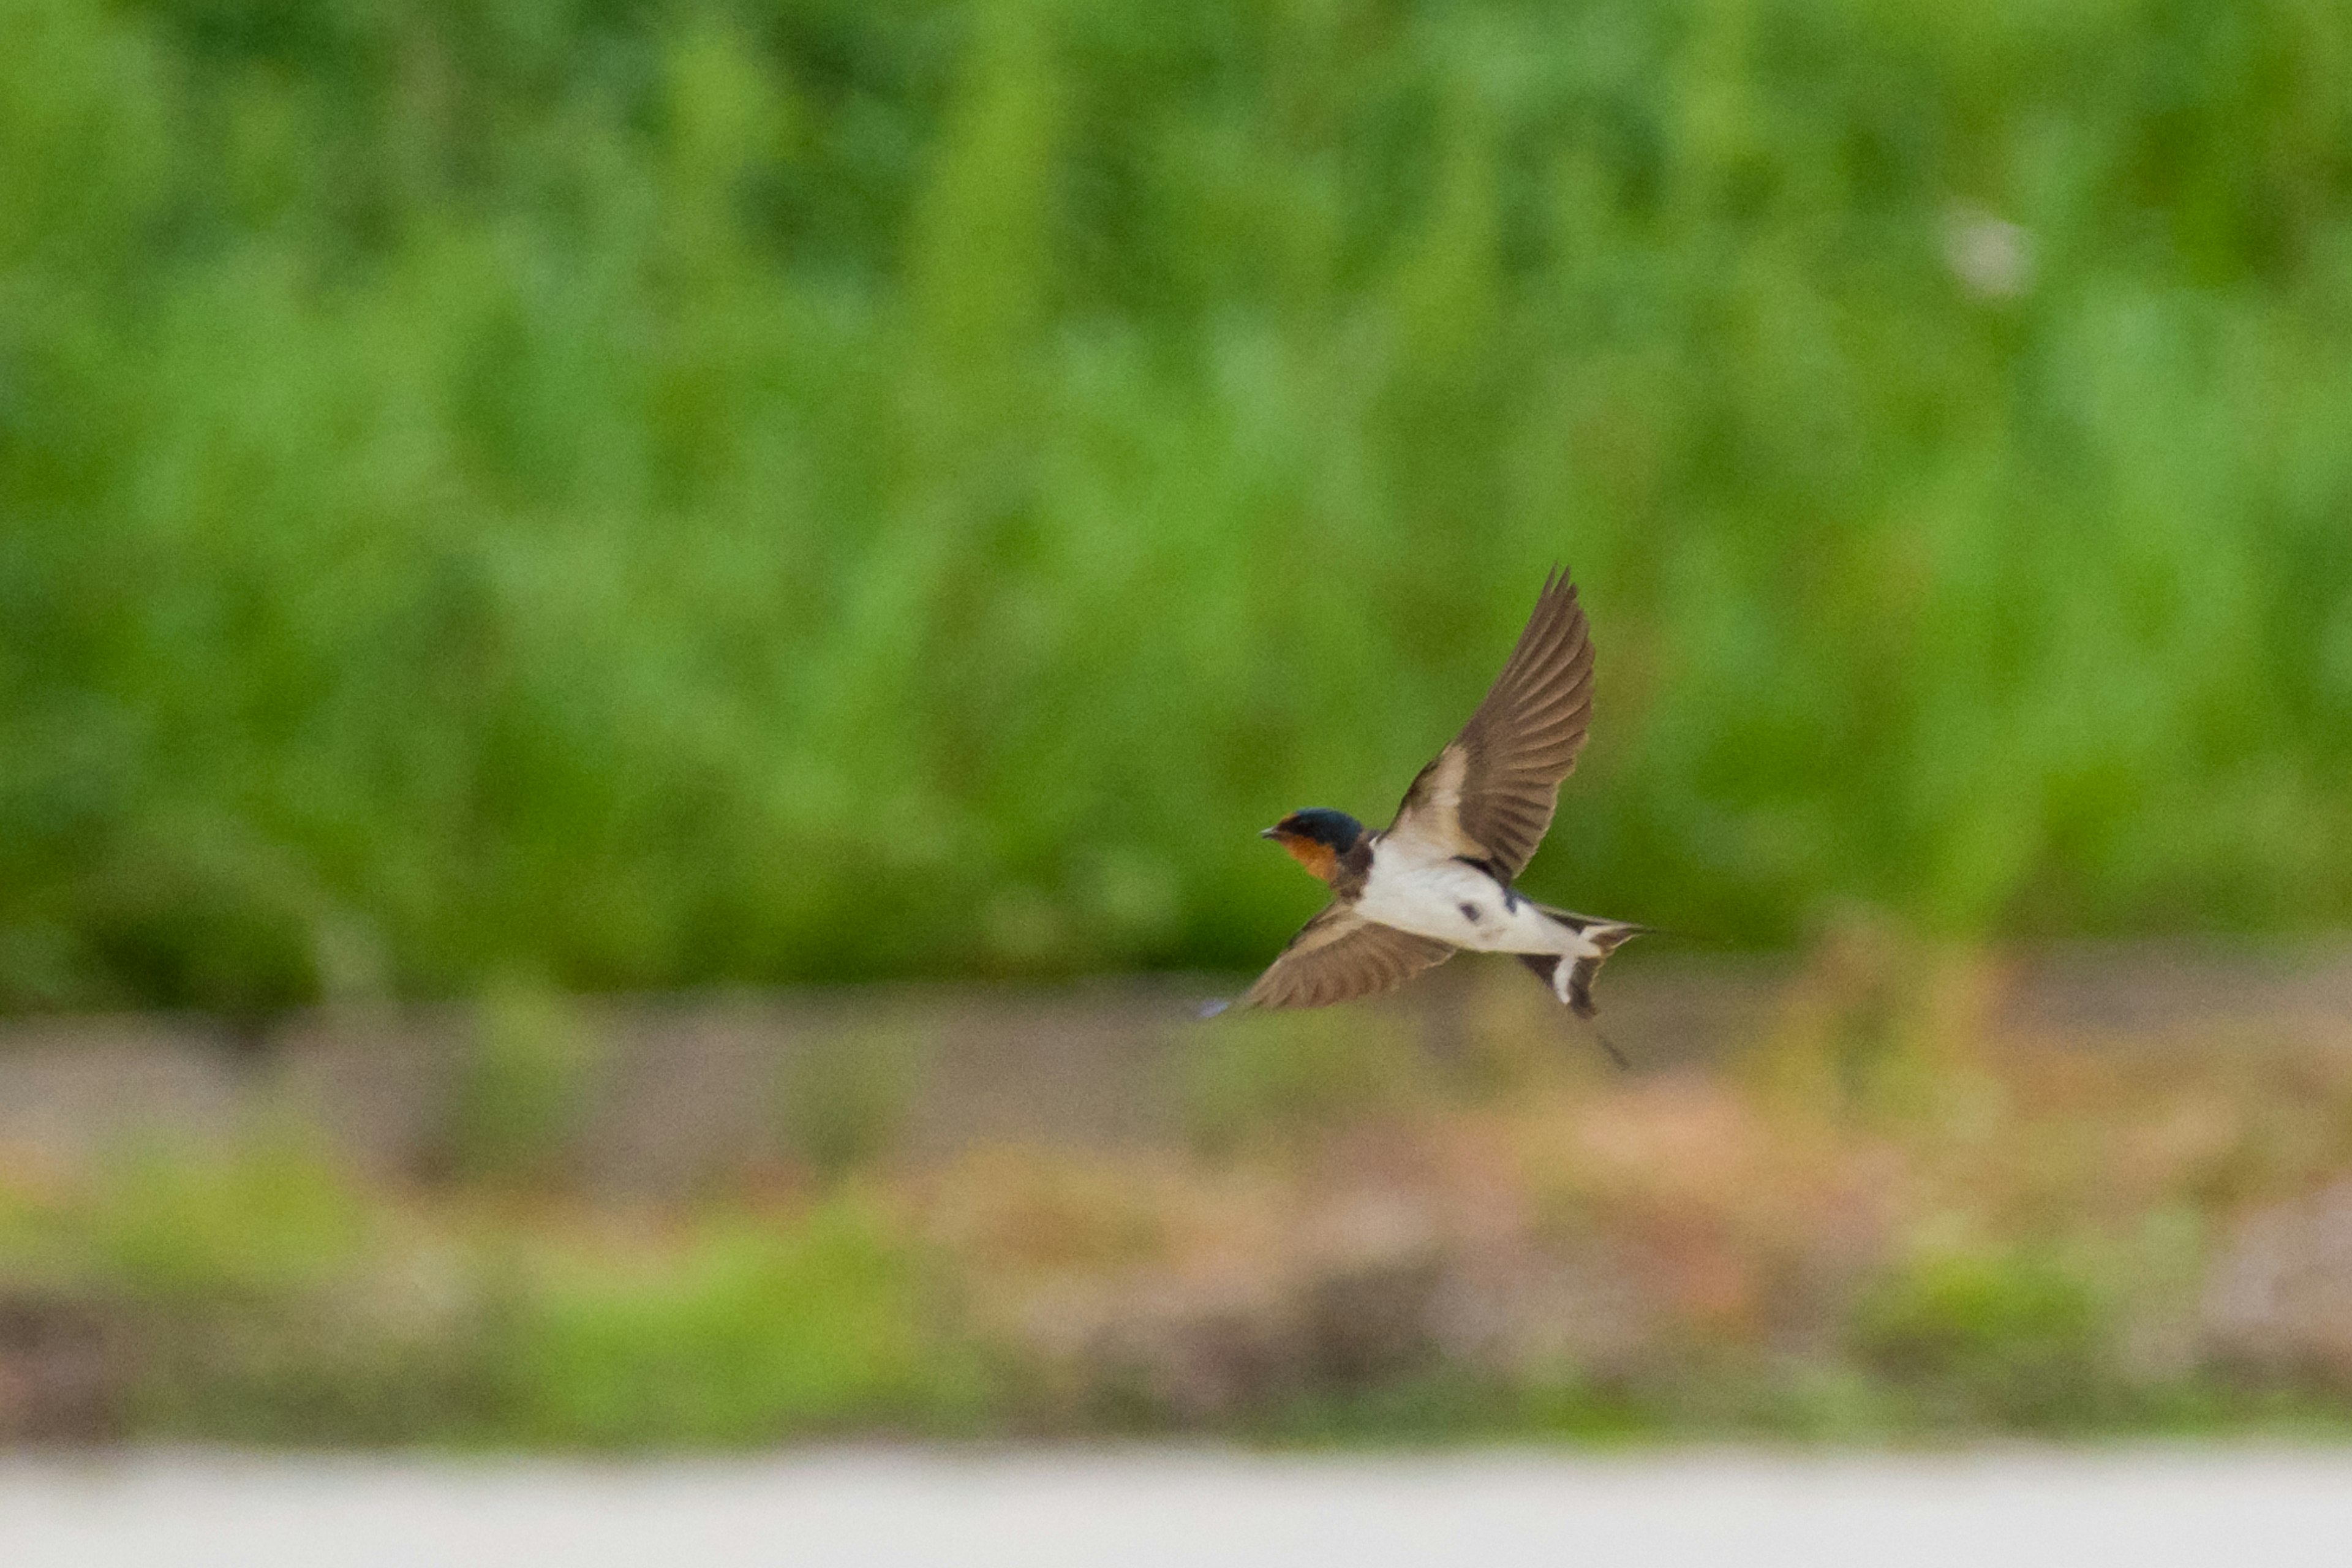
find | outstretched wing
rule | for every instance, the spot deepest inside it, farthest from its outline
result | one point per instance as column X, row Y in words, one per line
column 1339, row 956
column 1490, row 794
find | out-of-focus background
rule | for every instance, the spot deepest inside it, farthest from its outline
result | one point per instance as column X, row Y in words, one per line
column 641, row 645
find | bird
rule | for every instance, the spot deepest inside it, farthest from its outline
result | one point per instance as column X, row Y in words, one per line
column 1441, row 877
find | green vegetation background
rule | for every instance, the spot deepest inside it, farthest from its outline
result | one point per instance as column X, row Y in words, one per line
column 644, row 495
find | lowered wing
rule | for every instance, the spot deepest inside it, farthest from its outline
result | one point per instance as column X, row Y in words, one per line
column 1339, row 956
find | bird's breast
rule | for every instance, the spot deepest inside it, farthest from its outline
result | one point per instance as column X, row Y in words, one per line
column 1452, row 902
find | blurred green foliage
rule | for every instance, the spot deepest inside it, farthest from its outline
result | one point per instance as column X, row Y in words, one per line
column 2016, row 1338
column 745, row 1334
column 255, row 1295
column 843, row 1098
column 520, row 1095
column 170, row 1224
column 664, row 494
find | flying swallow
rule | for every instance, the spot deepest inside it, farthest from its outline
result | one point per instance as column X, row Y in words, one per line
column 1439, row 877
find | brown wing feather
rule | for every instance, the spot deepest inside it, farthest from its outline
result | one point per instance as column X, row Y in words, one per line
column 1339, row 956
column 1490, row 795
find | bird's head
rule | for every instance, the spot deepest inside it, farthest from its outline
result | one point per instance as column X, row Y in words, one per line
column 1316, row 837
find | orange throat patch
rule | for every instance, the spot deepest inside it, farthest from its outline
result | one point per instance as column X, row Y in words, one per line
column 1322, row 861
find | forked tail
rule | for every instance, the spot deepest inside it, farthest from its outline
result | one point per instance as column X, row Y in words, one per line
column 1570, row 977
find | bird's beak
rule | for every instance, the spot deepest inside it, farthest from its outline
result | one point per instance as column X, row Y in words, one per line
column 1270, row 832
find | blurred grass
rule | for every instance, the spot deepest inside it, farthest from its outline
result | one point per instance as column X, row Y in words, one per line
column 843, row 1103
column 748, row 1332
column 518, row 1098
column 630, row 493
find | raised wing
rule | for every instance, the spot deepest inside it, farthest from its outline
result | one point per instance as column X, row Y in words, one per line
column 1489, row 795
column 1339, row 956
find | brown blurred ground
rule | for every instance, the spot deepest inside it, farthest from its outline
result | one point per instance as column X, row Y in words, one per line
column 679, row 1092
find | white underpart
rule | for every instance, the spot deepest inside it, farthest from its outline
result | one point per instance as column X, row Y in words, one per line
column 1443, row 898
